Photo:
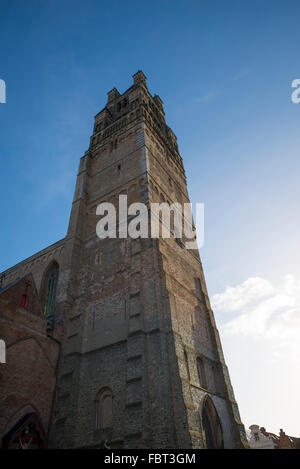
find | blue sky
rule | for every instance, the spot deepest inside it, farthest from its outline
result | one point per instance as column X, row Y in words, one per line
column 224, row 71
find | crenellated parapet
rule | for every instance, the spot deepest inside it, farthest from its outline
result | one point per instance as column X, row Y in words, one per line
column 123, row 111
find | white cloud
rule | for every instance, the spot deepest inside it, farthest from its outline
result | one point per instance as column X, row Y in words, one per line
column 259, row 323
column 236, row 298
column 256, row 309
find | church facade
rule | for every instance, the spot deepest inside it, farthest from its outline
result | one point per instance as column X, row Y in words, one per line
column 138, row 360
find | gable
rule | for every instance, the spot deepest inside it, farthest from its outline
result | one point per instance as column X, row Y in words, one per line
column 23, row 293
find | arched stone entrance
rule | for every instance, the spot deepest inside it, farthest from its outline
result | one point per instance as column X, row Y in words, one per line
column 27, row 433
column 211, row 425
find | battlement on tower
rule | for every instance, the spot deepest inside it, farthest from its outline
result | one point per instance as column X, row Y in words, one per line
column 125, row 110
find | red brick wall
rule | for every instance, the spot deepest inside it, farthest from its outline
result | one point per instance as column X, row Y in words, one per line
column 27, row 378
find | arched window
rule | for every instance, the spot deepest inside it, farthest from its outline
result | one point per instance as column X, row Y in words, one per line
column 201, row 372
column 211, row 425
column 104, row 409
column 50, row 289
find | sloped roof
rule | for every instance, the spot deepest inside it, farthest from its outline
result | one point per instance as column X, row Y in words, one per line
column 9, row 285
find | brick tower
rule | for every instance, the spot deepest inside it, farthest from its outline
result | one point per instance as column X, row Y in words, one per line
column 141, row 363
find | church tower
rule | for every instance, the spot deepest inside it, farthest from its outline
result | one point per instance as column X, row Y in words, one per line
column 142, row 360
column 140, row 363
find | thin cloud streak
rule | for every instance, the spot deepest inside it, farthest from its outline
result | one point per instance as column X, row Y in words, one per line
column 208, row 98
column 240, row 75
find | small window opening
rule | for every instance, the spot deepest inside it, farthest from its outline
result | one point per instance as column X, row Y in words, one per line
column 23, row 301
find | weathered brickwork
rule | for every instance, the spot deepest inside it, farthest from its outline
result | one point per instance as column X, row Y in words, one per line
column 28, row 376
column 135, row 312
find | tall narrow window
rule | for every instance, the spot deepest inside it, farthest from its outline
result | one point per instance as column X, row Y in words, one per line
column 23, row 301
column 187, row 366
column 104, row 409
column 217, row 385
column 201, row 373
column 51, row 283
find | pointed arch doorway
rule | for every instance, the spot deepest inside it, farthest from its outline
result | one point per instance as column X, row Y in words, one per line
column 211, row 425
column 26, row 433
